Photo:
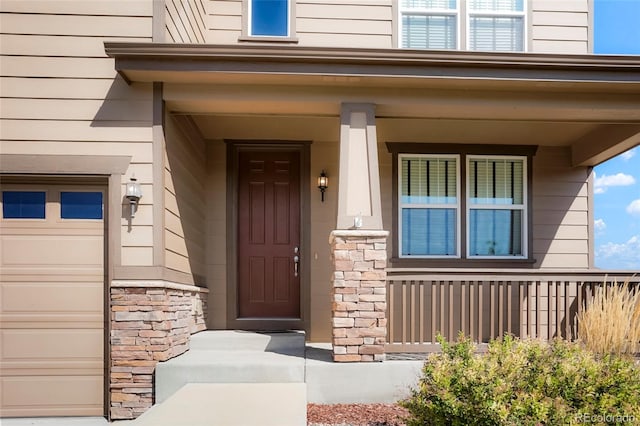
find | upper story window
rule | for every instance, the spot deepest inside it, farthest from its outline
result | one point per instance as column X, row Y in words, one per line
column 429, row 24
column 269, row 18
column 490, row 25
column 496, row 25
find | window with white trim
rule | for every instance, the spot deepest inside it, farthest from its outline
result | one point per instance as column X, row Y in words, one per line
column 496, row 25
column 486, row 219
column 496, row 194
column 487, row 25
column 429, row 24
column 269, row 18
column 429, row 206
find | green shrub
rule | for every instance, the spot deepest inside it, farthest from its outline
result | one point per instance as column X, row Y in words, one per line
column 524, row 382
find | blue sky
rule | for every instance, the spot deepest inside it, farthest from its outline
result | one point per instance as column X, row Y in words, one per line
column 617, row 181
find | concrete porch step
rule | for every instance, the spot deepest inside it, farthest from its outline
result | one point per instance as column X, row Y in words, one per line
column 231, row 404
column 234, row 357
column 289, row 342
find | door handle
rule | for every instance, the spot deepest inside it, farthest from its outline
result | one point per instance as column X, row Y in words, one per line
column 296, row 261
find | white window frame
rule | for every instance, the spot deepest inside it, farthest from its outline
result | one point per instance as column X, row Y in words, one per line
column 521, row 207
column 457, row 206
column 463, row 13
column 430, row 12
column 500, row 14
column 250, row 22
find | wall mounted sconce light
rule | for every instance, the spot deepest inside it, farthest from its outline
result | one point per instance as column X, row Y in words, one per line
column 133, row 194
column 323, row 184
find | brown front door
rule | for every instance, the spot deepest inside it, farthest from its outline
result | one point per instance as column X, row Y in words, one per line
column 269, row 234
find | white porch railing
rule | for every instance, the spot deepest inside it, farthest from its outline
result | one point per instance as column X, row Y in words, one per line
column 486, row 304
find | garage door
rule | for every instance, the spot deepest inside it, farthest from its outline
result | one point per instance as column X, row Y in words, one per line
column 51, row 296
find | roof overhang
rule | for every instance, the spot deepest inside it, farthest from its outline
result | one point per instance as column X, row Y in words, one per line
column 594, row 89
column 146, row 62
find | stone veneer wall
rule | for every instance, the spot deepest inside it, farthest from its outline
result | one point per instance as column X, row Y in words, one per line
column 359, row 313
column 150, row 322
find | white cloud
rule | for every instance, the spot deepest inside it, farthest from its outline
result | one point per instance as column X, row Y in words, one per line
column 634, row 208
column 603, row 182
column 627, row 155
column 600, row 225
column 619, row 256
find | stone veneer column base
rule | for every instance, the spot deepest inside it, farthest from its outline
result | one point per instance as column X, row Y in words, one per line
column 359, row 291
column 151, row 321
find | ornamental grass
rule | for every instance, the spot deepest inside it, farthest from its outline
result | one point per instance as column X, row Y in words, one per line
column 610, row 324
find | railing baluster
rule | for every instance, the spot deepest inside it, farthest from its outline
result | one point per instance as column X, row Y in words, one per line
column 463, row 306
column 500, row 309
column 558, row 308
column 492, row 309
column 580, row 288
column 404, row 312
column 452, row 335
column 480, row 309
column 392, row 313
column 538, row 309
column 412, row 296
column 472, row 287
column 434, row 311
column 522, row 310
column 509, row 305
column 422, row 312
column 567, row 310
column 551, row 286
column 441, row 328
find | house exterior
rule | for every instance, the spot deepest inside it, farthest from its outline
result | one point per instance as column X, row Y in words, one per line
column 458, row 138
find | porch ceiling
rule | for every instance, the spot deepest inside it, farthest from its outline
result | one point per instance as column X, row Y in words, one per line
column 587, row 102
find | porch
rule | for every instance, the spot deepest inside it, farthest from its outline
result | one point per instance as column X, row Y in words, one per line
column 487, row 304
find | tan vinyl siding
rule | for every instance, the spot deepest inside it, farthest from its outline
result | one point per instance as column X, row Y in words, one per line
column 224, row 21
column 560, row 26
column 184, row 200
column 354, row 23
column 344, row 24
column 61, row 94
column 185, row 21
column 560, row 211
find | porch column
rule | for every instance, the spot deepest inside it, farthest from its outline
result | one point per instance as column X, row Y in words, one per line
column 359, row 287
column 359, row 245
column 359, row 186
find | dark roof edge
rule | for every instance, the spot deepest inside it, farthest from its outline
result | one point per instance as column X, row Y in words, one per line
column 402, row 57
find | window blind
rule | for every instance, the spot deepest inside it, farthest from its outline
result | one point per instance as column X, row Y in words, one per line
column 428, row 199
column 496, row 181
column 496, row 33
column 429, row 31
column 496, row 197
column 429, row 4
column 497, row 5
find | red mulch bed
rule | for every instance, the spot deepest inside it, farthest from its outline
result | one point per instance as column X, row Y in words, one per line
column 356, row 414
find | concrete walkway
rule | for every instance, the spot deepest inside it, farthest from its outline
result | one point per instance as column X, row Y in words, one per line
column 230, row 378
column 230, row 404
